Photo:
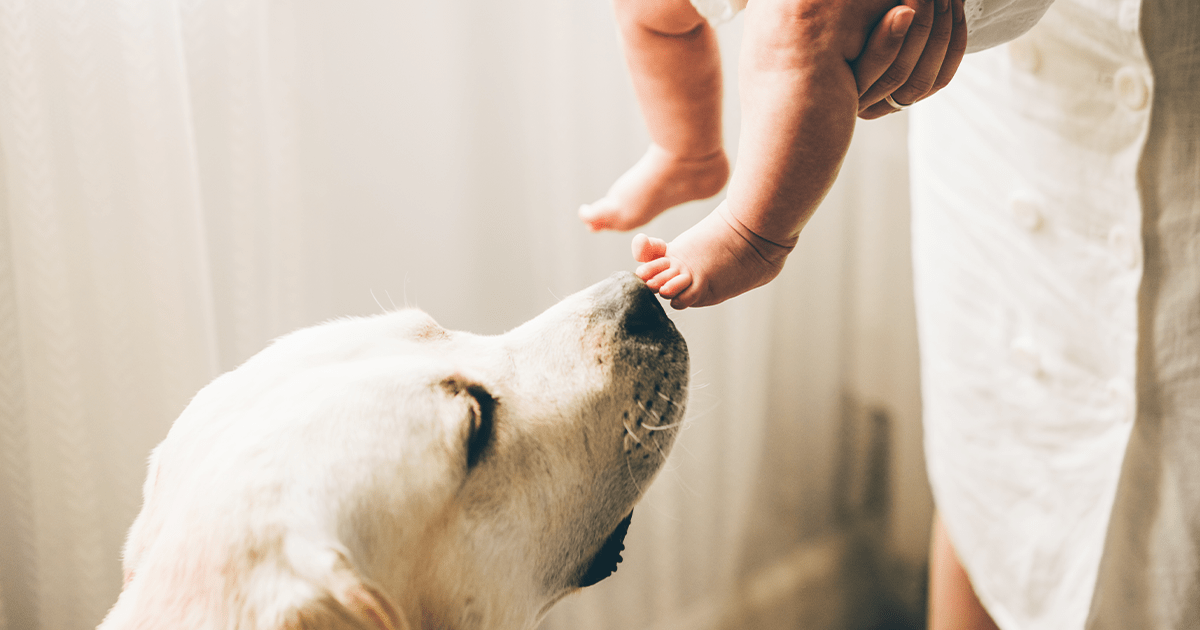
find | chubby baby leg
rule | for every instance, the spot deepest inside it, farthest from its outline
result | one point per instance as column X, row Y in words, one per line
column 714, row 260
column 675, row 65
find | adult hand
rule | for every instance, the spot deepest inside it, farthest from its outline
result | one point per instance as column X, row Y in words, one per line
column 912, row 53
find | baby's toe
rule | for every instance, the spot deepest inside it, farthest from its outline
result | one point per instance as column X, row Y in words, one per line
column 653, row 268
column 599, row 214
column 655, row 283
column 676, row 284
column 663, row 277
column 686, row 298
column 648, row 248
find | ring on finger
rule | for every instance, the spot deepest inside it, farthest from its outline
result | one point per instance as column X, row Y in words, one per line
column 896, row 105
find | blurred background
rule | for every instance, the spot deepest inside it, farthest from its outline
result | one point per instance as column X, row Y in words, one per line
column 183, row 180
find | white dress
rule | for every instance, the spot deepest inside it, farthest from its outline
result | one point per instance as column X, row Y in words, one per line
column 1056, row 226
column 1056, row 247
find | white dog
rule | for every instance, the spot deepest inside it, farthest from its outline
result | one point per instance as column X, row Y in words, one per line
column 385, row 473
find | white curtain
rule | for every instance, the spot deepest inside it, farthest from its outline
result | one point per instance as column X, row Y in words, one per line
column 182, row 180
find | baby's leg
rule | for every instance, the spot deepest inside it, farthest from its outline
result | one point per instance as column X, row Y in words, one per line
column 674, row 62
column 799, row 103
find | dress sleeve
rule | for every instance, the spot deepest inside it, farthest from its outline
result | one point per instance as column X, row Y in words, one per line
column 993, row 22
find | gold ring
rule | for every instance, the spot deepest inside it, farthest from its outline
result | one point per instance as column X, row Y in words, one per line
column 895, row 105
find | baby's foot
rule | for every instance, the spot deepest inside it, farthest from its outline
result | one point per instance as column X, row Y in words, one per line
column 714, row 260
column 658, row 181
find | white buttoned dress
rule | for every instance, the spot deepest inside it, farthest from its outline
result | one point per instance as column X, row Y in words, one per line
column 1056, row 227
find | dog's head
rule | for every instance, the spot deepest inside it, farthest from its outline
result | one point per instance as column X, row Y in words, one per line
column 390, row 473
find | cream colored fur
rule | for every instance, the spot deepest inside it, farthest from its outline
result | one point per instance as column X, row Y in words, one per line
column 341, row 479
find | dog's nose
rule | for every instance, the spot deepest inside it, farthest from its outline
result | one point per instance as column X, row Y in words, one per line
column 635, row 306
column 645, row 314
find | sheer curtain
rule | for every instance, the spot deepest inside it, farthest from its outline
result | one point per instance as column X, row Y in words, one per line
column 182, row 180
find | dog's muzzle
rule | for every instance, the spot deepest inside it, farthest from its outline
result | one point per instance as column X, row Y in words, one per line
column 651, row 345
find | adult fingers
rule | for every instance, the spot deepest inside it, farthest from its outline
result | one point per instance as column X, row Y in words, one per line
column 882, row 46
column 932, row 71
column 925, row 73
column 910, row 53
column 956, row 50
column 878, row 110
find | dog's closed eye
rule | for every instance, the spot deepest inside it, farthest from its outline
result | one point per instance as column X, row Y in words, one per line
column 481, row 406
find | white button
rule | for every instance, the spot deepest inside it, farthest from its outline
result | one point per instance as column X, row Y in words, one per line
column 1123, row 246
column 1025, row 355
column 1025, row 55
column 1132, row 88
column 1026, row 213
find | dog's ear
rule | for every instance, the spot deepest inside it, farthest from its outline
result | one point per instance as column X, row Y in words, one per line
column 368, row 605
column 351, row 604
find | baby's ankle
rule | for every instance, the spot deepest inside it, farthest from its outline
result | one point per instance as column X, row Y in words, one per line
column 771, row 250
column 703, row 175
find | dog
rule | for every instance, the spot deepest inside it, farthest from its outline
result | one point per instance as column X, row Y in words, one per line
column 383, row 473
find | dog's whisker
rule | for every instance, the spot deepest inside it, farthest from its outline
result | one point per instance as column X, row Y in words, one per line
column 699, row 387
column 631, row 433
column 661, row 453
column 377, row 302
column 661, row 427
column 696, row 413
column 633, row 477
column 674, row 472
column 687, row 450
column 650, row 504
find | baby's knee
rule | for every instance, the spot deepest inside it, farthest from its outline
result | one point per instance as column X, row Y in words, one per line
column 672, row 18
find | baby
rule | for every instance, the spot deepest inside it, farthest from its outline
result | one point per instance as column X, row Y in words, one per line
column 808, row 68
